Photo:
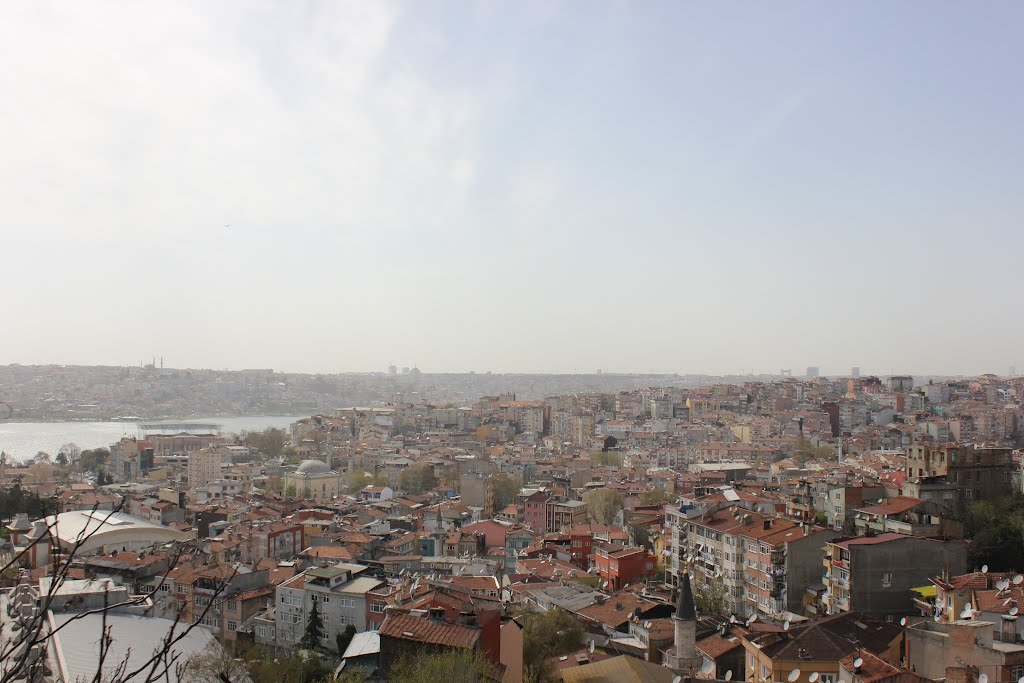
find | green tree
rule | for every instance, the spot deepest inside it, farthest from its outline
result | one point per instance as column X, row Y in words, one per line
column 314, row 630
column 458, row 666
column 804, row 451
column 270, row 442
column 360, row 480
column 344, row 638
column 290, row 492
column 996, row 530
column 506, row 488
column 642, row 537
column 709, row 598
column 416, row 479
column 603, row 505
column 545, row 635
column 90, row 459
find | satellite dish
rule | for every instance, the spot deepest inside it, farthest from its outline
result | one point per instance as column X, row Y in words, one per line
column 936, row 618
column 1020, row 680
column 903, row 621
column 732, row 618
column 590, row 646
column 647, row 624
column 1018, row 580
column 813, row 678
column 677, row 679
column 858, row 663
column 984, row 570
column 983, row 678
column 728, row 676
column 966, row 614
column 967, row 607
column 707, row 667
column 793, row 675
column 752, row 619
column 785, row 625
column 1013, row 611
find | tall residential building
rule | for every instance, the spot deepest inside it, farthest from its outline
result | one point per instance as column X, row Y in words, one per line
column 764, row 563
column 203, row 467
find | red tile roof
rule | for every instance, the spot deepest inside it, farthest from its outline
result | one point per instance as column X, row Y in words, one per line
column 423, row 630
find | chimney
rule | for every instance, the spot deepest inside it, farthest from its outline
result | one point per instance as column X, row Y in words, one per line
column 767, row 524
column 467, row 618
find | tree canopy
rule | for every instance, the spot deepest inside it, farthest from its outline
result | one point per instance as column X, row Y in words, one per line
column 417, row 479
column 269, row 442
column 458, row 666
column 996, row 530
column 603, row 505
column 506, row 487
column 545, row 635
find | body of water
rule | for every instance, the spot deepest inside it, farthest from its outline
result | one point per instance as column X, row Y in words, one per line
column 24, row 439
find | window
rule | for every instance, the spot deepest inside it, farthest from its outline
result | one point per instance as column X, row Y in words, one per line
column 165, row 587
column 886, row 579
column 290, row 618
column 347, row 620
column 232, row 605
column 261, row 632
column 181, row 589
column 1016, row 671
column 377, row 607
column 232, row 626
column 826, row 678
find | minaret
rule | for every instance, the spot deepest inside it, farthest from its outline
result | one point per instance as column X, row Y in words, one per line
column 683, row 658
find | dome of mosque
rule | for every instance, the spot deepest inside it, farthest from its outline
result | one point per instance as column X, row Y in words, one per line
column 310, row 467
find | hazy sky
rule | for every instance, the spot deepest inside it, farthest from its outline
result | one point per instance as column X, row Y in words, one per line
column 510, row 186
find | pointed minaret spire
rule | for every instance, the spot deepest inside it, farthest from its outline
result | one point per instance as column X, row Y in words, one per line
column 685, row 607
column 683, row 658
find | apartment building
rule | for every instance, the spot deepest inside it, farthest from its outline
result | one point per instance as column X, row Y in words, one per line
column 957, row 474
column 875, row 575
column 764, row 563
column 340, row 594
column 204, row 467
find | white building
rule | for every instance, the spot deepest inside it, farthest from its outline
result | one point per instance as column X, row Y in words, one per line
column 339, row 594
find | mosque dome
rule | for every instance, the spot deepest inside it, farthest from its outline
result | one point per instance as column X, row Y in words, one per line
column 311, row 467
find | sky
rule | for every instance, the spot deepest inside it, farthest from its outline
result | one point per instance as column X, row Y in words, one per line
column 686, row 187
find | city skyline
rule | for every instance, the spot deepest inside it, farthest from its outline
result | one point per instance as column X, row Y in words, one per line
column 663, row 187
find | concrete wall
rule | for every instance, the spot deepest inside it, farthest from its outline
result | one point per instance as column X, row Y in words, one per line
column 910, row 561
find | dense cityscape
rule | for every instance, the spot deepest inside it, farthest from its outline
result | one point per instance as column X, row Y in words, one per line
column 852, row 528
column 479, row 341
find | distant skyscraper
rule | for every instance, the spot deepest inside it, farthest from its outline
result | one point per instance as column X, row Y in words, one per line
column 1013, row 371
column 813, row 370
column 392, row 370
column 855, row 372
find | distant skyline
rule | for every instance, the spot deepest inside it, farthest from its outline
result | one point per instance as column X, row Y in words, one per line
column 515, row 187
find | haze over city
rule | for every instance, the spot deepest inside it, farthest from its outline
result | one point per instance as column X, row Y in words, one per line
column 517, row 187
